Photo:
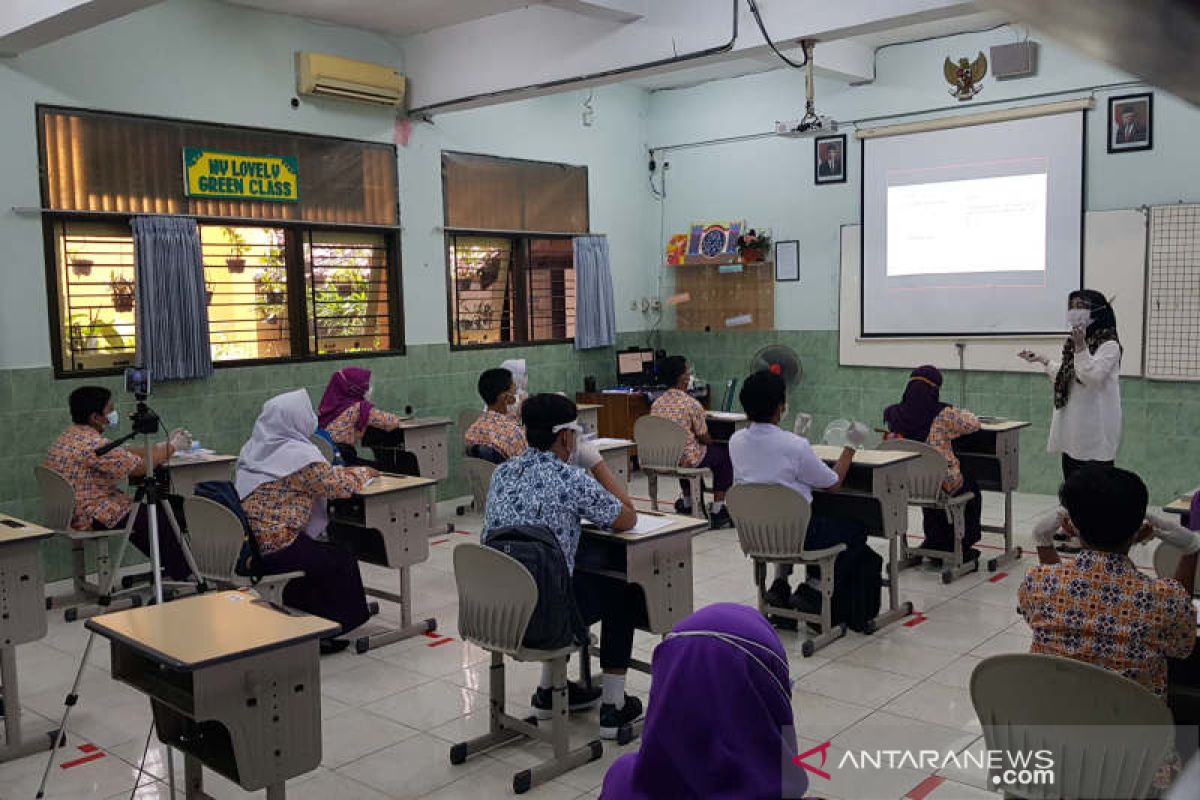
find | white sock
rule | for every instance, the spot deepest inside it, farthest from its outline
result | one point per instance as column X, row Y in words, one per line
column 717, row 506
column 613, row 691
column 783, row 572
column 547, row 680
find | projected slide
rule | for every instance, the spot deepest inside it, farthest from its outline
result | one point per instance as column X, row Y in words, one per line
column 972, row 231
column 980, row 225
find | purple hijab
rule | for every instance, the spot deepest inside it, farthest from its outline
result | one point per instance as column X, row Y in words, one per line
column 346, row 388
column 720, row 718
column 918, row 408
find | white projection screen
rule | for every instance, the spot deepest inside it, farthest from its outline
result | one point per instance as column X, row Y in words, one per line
column 973, row 231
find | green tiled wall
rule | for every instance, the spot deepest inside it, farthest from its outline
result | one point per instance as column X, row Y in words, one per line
column 1161, row 438
column 221, row 411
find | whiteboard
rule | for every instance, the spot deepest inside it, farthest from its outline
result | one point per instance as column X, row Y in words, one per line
column 1114, row 262
column 1173, row 304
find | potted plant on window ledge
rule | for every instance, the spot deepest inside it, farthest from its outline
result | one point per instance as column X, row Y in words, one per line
column 81, row 265
column 236, row 261
column 121, row 289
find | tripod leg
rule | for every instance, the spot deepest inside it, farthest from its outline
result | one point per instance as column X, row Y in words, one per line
column 114, row 567
column 183, row 546
column 69, row 703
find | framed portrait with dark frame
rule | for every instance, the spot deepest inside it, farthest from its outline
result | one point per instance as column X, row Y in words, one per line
column 1131, row 123
column 830, row 155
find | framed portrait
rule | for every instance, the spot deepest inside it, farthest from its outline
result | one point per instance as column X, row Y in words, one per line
column 830, row 154
column 787, row 260
column 1131, row 123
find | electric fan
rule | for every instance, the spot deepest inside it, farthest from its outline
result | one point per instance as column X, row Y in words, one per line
column 781, row 360
column 846, row 433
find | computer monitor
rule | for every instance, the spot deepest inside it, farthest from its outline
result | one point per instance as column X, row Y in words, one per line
column 635, row 367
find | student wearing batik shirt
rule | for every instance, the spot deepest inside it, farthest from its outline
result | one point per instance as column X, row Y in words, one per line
column 699, row 450
column 101, row 502
column 922, row 417
column 346, row 410
column 282, row 479
column 496, row 428
column 542, row 488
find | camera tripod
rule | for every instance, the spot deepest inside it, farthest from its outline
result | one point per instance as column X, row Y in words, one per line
column 150, row 495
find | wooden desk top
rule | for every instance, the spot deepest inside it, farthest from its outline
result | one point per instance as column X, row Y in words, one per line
column 184, row 460
column 606, row 444
column 863, row 458
column 1180, row 505
column 726, row 416
column 679, row 524
column 587, row 406
column 13, row 531
column 385, row 484
column 208, row 629
column 413, row 423
column 1000, row 425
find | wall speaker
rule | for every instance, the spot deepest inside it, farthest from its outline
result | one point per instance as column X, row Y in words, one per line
column 1018, row 60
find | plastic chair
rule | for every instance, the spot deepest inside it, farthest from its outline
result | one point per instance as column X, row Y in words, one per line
column 58, row 508
column 496, row 598
column 323, row 445
column 479, row 479
column 217, row 538
column 660, row 444
column 1106, row 734
column 925, row 476
column 466, row 419
column 772, row 523
column 1166, row 561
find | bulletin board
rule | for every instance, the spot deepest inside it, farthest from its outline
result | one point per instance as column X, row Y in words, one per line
column 722, row 299
column 1114, row 262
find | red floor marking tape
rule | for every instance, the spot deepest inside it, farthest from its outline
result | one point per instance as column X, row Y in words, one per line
column 94, row 752
column 925, row 788
column 432, row 634
column 463, row 533
column 438, row 541
column 88, row 748
column 441, row 642
column 999, row 576
column 915, row 621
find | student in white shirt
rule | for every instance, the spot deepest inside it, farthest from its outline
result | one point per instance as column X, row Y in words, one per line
column 1086, row 426
column 765, row 453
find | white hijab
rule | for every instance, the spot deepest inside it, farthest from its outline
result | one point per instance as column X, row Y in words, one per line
column 520, row 380
column 279, row 444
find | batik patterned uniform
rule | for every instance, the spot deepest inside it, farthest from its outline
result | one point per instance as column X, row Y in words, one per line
column 94, row 479
column 500, row 432
column 344, row 429
column 279, row 510
column 949, row 424
column 538, row 488
column 1102, row 610
column 686, row 412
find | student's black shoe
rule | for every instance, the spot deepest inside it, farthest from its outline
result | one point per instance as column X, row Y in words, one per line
column 683, row 506
column 720, row 519
column 331, row 646
column 970, row 554
column 579, row 698
column 779, row 593
column 806, row 599
column 613, row 718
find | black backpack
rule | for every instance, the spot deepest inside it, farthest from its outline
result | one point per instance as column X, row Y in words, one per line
column 249, row 562
column 556, row 621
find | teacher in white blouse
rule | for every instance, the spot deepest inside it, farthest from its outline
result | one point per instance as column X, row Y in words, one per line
column 1086, row 426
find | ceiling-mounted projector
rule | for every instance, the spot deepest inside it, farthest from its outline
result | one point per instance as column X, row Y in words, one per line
column 812, row 123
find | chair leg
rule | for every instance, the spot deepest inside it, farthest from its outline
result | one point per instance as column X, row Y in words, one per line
column 79, row 567
column 564, row 758
column 957, row 516
column 652, row 488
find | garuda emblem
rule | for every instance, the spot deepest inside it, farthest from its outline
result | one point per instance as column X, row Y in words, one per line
column 966, row 77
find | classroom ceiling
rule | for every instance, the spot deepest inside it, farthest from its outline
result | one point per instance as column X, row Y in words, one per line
column 395, row 17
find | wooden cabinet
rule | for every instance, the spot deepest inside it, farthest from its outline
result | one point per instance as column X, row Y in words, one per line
column 618, row 412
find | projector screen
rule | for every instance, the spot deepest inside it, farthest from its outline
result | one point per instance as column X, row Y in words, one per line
column 974, row 230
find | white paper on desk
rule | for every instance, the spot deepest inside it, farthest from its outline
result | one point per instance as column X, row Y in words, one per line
column 193, row 455
column 606, row 441
column 646, row 523
column 726, row 416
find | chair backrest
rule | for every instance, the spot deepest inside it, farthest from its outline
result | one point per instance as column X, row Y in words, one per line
column 1166, row 561
column 479, row 479
column 660, row 442
column 58, row 498
column 216, row 537
column 925, row 473
column 466, row 419
column 771, row 520
column 1107, row 735
column 323, row 445
column 496, row 597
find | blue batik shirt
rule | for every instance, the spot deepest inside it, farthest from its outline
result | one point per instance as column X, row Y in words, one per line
column 538, row 488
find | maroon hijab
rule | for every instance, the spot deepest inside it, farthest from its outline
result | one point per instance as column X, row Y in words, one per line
column 346, row 388
column 913, row 416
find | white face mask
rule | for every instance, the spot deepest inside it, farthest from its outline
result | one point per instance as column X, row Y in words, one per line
column 691, row 382
column 369, row 393
column 113, row 419
column 1079, row 317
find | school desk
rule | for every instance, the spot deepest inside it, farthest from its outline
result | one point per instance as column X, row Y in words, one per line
column 616, row 453
column 991, row 456
column 588, row 415
column 723, row 424
column 425, row 437
column 188, row 469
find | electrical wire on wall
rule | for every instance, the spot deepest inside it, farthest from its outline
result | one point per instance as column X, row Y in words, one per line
column 762, row 27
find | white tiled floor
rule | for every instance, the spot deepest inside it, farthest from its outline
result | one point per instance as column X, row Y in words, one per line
column 391, row 715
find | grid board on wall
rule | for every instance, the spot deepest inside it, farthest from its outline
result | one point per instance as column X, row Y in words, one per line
column 1173, row 293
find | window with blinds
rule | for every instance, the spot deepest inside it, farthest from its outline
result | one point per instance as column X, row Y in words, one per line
column 509, row 225
column 315, row 278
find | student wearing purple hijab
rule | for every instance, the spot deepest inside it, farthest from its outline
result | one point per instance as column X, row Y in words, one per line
column 737, row 742
column 922, row 417
column 346, row 410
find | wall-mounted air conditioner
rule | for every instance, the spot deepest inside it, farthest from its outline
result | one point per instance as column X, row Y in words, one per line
column 323, row 75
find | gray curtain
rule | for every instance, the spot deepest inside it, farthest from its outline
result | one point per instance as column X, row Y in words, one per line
column 171, row 308
column 595, row 313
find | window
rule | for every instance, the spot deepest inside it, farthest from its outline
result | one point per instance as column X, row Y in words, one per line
column 284, row 281
column 510, row 258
